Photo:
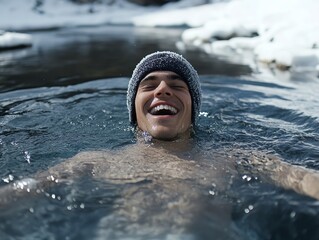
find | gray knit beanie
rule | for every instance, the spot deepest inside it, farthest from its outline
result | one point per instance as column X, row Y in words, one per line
column 164, row 61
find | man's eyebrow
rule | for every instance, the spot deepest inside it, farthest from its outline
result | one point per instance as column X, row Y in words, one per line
column 171, row 76
column 149, row 78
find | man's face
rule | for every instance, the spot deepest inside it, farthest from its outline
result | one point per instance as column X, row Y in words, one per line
column 163, row 105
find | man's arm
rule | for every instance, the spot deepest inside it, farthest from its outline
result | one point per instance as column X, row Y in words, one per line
column 297, row 178
column 65, row 172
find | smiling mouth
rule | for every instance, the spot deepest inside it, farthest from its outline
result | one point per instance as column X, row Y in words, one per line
column 163, row 110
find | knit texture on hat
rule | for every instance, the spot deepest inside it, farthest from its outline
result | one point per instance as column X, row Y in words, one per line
column 164, row 61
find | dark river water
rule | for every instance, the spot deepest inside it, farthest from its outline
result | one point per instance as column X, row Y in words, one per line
column 66, row 94
column 75, row 55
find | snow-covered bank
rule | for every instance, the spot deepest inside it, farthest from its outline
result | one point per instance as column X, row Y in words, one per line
column 14, row 40
column 282, row 33
column 23, row 15
column 26, row 15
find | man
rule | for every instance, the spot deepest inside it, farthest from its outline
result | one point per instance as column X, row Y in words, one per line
column 166, row 176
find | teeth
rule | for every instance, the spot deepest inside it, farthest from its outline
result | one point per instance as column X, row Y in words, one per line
column 161, row 107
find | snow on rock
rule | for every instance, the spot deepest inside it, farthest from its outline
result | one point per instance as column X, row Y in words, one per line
column 14, row 40
column 189, row 16
column 284, row 33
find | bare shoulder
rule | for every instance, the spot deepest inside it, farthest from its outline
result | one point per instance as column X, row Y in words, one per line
column 89, row 157
column 80, row 164
column 106, row 155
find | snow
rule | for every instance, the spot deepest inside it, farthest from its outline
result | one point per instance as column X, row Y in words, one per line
column 21, row 15
column 287, row 30
column 282, row 33
column 11, row 40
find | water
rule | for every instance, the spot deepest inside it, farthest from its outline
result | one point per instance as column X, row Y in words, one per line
column 66, row 95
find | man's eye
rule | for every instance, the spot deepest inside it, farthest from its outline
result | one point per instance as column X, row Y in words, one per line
column 148, row 87
column 178, row 87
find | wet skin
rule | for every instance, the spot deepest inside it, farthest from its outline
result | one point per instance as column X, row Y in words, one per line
column 163, row 105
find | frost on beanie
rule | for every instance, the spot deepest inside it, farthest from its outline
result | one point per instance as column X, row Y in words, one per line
column 164, row 61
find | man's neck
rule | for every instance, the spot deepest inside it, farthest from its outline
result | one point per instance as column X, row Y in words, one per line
column 180, row 144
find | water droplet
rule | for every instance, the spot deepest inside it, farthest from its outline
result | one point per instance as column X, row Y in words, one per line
column 31, row 210
column 292, row 214
column 53, row 196
column 246, row 177
column 50, row 178
column 82, row 205
column 8, row 179
column 211, row 192
column 204, row 114
column 249, row 208
column 27, row 156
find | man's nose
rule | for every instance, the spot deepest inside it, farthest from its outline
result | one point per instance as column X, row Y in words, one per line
column 163, row 90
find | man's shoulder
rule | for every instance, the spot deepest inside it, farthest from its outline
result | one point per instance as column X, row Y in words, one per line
column 85, row 155
column 106, row 154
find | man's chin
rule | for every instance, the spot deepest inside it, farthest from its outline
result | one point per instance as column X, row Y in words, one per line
column 166, row 134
